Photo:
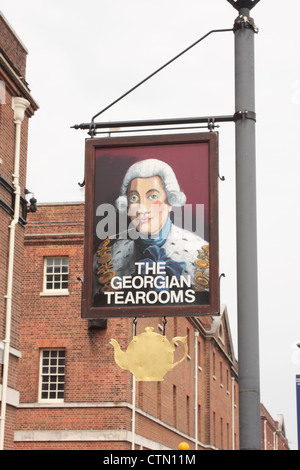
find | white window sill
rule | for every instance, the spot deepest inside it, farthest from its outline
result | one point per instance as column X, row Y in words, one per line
column 49, row 400
column 53, row 292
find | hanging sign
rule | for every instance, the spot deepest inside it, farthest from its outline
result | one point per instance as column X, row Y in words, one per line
column 151, row 226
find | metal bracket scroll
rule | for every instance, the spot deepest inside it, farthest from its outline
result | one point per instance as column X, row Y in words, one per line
column 245, row 22
column 221, row 275
column 134, row 321
column 244, row 115
column 164, row 326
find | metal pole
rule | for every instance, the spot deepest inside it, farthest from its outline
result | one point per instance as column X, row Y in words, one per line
column 247, row 284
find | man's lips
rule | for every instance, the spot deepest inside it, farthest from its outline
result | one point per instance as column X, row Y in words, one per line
column 143, row 220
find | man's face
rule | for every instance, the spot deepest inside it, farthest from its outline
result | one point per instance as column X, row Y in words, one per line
column 148, row 208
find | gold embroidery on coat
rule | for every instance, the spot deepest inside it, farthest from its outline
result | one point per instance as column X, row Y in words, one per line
column 202, row 272
column 105, row 265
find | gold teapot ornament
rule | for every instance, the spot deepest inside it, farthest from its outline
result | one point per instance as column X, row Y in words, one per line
column 149, row 356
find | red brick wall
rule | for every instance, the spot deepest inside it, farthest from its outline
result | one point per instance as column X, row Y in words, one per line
column 220, row 396
column 13, row 49
column 7, row 141
column 272, row 436
column 14, row 53
column 7, row 150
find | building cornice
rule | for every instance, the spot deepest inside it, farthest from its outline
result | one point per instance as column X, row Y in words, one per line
column 54, row 238
column 17, row 85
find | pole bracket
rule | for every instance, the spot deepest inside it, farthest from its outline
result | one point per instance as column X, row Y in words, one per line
column 244, row 115
column 245, row 22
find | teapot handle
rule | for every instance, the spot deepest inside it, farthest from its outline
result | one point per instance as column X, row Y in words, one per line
column 183, row 340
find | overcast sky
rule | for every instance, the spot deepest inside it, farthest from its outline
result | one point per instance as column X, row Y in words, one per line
column 84, row 55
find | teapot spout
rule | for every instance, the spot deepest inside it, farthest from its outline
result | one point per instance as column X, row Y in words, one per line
column 120, row 356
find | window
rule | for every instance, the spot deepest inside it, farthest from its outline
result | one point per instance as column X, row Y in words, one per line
column 199, row 422
column 214, row 428
column 56, row 275
column 221, row 333
column 188, row 415
column 221, row 428
column 199, row 354
column 52, row 375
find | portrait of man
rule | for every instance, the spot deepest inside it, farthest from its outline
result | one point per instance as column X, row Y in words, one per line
column 165, row 255
column 151, row 207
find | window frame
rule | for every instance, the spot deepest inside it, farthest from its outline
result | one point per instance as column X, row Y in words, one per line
column 53, row 291
column 57, row 374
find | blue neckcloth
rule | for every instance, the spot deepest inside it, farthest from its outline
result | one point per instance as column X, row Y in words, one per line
column 158, row 240
column 153, row 252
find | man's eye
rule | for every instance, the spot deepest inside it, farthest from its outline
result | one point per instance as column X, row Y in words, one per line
column 153, row 196
column 133, row 199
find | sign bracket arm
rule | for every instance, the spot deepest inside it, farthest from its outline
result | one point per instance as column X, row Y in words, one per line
column 92, row 125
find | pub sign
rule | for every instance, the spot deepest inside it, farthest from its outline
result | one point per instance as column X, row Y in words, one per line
column 151, row 226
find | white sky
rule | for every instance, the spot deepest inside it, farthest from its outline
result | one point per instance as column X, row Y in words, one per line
column 82, row 56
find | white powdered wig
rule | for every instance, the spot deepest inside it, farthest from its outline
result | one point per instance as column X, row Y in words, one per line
column 147, row 169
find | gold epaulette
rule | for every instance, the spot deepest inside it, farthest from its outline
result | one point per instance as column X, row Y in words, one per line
column 105, row 265
column 202, row 272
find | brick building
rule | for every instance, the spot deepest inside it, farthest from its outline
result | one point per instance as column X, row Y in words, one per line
column 60, row 387
column 16, row 107
column 273, row 435
column 92, row 403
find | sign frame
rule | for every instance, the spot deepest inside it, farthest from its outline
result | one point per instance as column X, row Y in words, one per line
column 94, row 145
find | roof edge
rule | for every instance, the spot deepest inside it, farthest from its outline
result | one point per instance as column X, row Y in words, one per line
column 13, row 31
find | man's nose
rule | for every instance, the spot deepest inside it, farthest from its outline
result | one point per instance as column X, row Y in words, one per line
column 137, row 209
column 142, row 208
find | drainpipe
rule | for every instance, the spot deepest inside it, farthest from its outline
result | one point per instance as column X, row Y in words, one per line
column 196, row 387
column 19, row 106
